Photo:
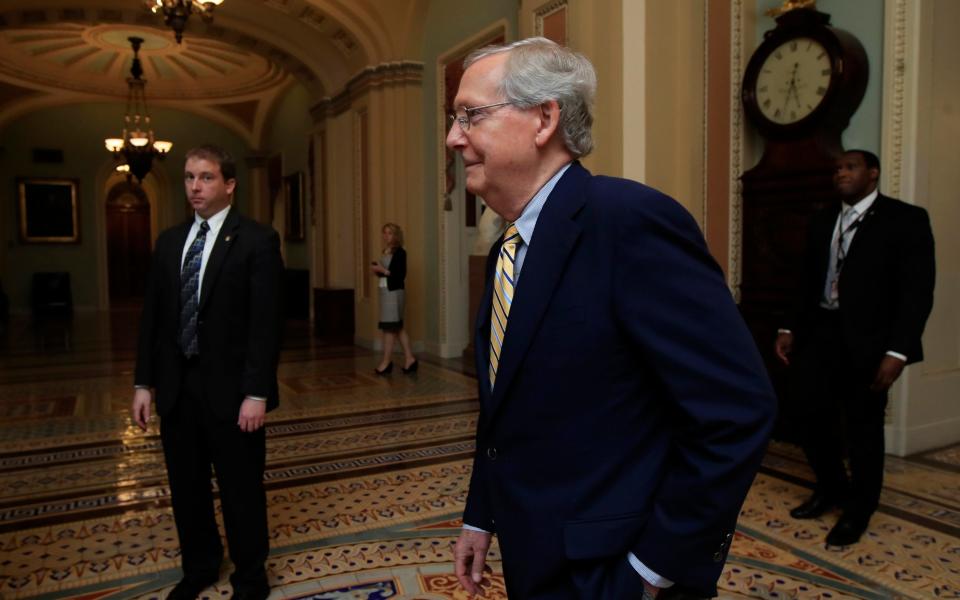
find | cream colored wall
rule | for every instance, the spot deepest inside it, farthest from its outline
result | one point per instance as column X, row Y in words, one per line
column 633, row 70
column 394, row 153
column 593, row 29
column 649, row 117
column 921, row 155
column 675, row 127
column 396, row 145
column 340, row 205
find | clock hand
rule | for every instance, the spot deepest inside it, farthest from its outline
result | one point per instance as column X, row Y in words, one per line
column 792, row 88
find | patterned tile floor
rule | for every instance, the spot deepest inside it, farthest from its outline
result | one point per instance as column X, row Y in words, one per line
column 366, row 479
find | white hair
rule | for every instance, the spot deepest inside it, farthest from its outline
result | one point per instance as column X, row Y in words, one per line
column 538, row 70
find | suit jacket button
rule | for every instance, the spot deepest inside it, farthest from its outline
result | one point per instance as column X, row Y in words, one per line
column 492, row 453
column 718, row 557
column 729, row 537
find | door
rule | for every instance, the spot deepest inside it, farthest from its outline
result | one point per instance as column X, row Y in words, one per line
column 128, row 242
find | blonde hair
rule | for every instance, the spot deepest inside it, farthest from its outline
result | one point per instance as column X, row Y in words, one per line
column 397, row 234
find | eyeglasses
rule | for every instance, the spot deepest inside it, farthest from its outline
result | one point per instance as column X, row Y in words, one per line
column 464, row 120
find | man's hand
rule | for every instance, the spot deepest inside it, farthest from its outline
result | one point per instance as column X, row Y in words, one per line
column 784, row 346
column 470, row 557
column 890, row 369
column 251, row 414
column 140, row 409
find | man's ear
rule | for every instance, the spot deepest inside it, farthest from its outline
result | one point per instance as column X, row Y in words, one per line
column 549, row 116
column 231, row 184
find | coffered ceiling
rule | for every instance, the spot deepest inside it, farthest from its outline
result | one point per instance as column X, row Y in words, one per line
column 55, row 52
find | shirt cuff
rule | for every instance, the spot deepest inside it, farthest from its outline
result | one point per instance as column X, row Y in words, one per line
column 472, row 528
column 652, row 578
column 257, row 398
column 781, row 330
column 896, row 355
column 141, row 387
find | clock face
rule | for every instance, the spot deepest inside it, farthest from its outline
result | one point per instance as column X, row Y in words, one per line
column 793, row 80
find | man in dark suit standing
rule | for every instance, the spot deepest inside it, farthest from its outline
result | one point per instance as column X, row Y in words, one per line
column 624, row 406
column 208, row 349
column 866, row 293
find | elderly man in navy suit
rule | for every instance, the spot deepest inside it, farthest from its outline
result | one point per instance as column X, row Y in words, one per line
column 624, row 405
column 865, row 295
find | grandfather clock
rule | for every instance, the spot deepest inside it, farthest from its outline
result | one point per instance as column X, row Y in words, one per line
column 801, row 86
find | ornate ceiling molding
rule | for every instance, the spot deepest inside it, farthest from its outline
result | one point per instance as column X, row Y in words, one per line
column 398, row 73
column 199, row 33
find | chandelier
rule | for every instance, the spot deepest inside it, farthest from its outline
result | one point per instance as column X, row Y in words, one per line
column 176, row 12
column 136, row 147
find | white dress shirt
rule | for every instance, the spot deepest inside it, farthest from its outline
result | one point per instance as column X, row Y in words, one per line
column 215, row 222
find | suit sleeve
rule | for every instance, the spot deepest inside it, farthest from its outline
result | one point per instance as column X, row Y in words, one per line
column 812, row 278
column 915, row 277
column 398, row 270
column 265, row 317
column 477, row 513
column 672, row 300
column 149, row 320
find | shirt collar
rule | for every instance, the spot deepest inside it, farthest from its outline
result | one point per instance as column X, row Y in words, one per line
column 864, row 205
column 215, row 221
column 531, row 212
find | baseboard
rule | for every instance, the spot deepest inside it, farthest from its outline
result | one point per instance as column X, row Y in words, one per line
column 445, row 349
column 921, row 438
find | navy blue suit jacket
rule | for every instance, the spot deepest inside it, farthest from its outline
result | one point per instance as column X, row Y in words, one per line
column 239, row 322
column 631, row 407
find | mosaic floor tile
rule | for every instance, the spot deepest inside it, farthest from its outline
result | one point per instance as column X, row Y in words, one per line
column 366, row 481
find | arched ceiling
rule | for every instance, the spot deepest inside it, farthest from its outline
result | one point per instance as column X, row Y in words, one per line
column 232, row 70
column 96, row 60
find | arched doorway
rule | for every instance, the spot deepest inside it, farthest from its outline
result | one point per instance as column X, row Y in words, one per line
column 128, row 242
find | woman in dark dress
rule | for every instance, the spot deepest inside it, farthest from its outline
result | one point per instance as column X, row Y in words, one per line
column 392, row 269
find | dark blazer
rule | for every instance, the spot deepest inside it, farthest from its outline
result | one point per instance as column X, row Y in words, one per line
column 885, row 286
column 631, row 408
column 398, row 270
column 239, row 321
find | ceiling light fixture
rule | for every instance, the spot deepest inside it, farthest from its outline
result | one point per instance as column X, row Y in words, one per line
column 177, row 12
column 137, row 147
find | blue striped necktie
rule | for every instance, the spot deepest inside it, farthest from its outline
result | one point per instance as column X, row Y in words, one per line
column 503, row 285
column 190, row 292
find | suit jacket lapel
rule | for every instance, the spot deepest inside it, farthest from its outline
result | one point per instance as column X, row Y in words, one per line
column 823, row 242
column 553, row 239
column 225, row 239
column 482, row 332
column 174, row 260
column 865, row 228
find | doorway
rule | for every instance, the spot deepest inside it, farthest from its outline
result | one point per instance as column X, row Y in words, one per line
column 128, row 242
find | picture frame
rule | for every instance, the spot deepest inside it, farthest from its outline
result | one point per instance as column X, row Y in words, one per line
column 48, row 210
column 293, row 193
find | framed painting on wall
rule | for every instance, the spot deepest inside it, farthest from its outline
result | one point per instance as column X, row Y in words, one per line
column 48, row 211
column 293, row 194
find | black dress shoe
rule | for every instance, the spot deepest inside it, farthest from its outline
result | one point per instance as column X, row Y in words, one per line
column 190, row 587
column 386, row 370
column 847, row 530
column 816, row 505
column 412, row 368
column 251, row 593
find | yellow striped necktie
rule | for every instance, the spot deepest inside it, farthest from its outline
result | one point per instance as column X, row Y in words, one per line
column 503, row 284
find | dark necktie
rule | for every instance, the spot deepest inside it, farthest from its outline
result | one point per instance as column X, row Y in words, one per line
column 189, row 292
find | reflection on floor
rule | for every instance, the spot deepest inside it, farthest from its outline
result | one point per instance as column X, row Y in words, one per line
column 366, row 482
